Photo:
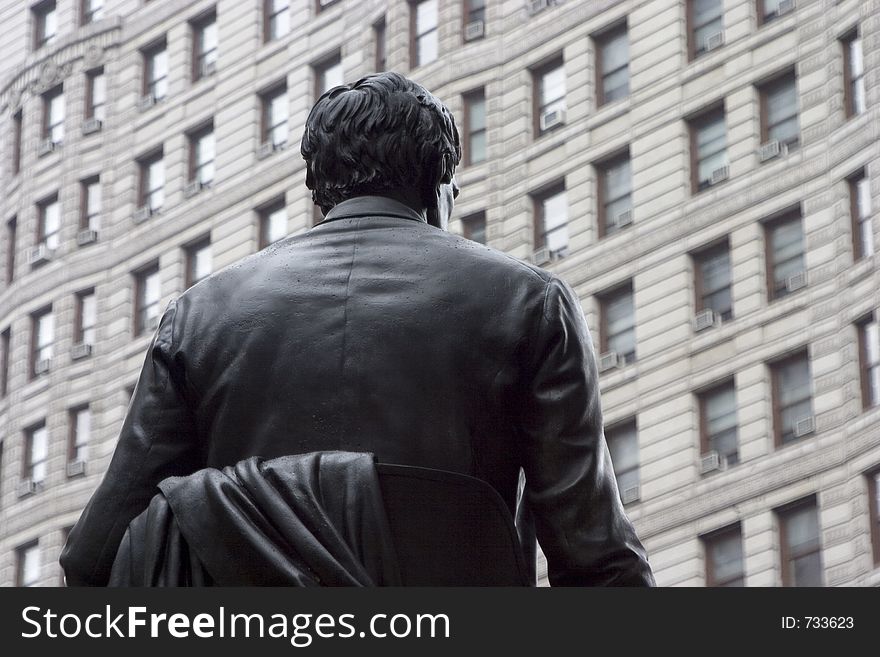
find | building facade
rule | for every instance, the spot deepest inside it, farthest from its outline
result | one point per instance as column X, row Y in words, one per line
column 704, row 173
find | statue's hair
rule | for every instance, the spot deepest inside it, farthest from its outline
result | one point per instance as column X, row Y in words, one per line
column 382, row 133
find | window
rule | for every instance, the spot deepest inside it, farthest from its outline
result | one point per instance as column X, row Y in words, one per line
column 792, row 399
column 92, row 10
column 475, row 227
column 96, row 95
column 612, row 67
column 147, row 296
column 53, row 115
column 42, row 337
column 718, row 423
column 549, row 84
column 80, row 420
column 551, row 221
column 623, row 445
column 801, row 551
column 423, row 27
column 475, row 126
column 708, row 149
column 11, row 231
column 614, row 194
column 198, row 261
column 860, row 211
column 276, row 15
column 5, row 342
column 785, row 255
column 49, row 227
column 474, row 19
column 705, row 26
column 323, row 4
column 90, row 203
column 45, row 23
column 204, row 56
column 201, row 155
column 381, row 46
column 854, row 74
column 328, row 74
column 156, row 72
column 618, row 326
column 779, row 120
column 724, row 557
column 869, row 360
column 27, row 565
column 874, row 506
column 712, row 268
column 152, row 181
column 274, row 125
column 17, row 121
column 36, row 453
column 770, row 10
column 273, row 223
column 86, row 317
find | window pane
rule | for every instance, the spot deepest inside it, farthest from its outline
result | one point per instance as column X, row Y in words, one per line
column 29, row 565
column 552, row 86
column 276, row 225
column 426, row 16
column 39, row 452
column 726, row 558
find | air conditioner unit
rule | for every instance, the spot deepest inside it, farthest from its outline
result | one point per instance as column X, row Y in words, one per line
column 534, row 6
column 785, row 6
column 207, row 68
column 39, row 255
column 772, row 149
column 474, row 30
column 76, row 468
column 91, row 125
column 46, row 146
column 796, row 281
column 86, row 236
column 80, row 350
column 630, row 494
column 623, row 219
column 142, row 214
column 146, row 102
column 42, row 366
column 541, row 256
column 720, row 174
column 266, row 149
column 192, row 188
column 711, row 462
column 706, row 319
column 804, row 426
column 714, row 41
column 28, row 487
column 552, row 118
column 609, row 360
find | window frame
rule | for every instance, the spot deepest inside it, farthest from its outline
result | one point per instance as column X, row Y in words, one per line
column 269, row 14
column 5, row 354
column 539, row 198
column 874, row 512
column 538, row 74
column 199, row 57
column 775, row 378
column 603, row 168
column 701, row 257
column 267, row 128
column 320, row 70
column 40, row 13
column 866, row 368
column 469, row 99
column 415, row 37
column 75, row 451
column 605, row 298
column 11, row 247
column 694, row 52
column 625, row 427
column 783, row 514
column 49, row 129
column 861, row 249
column 18, row 129
column 93, row 109
column 601, row 40
column 20, row 555
column 706, row 439
column 80, row 327
column 192, row 251
column 730, row 531
column 87, row 12
column 150, row 82
column 849, row 79
column 696, row 123
column 29, row 465
column 468, row 222
column 194, row 143
column 380, row 53
column 141, row 276
column 471, row 15
column 43, row 237
column 37, row 348
column 87, row 219
column 265, row 213
column 790, row 215
column 145, row 193
column 765, row 89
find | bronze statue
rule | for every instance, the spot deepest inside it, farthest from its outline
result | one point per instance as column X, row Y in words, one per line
column 377, row 331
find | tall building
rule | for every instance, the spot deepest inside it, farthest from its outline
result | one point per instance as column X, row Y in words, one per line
column 703, row 172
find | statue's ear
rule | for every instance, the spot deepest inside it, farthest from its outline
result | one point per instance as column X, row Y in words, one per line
column 310, row 177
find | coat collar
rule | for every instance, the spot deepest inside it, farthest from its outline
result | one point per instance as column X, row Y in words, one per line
column 365, row 206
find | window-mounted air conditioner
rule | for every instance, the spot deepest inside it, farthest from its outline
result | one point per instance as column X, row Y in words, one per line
column 146, row 102
column 76, row 468
column 142, row 214
column 474, row 30
column 630, row 494
column 796, row 281
column 193, row 188
column 39, row 255
column 719, row 175
column 28, row 487
column 711, row 462
column 46, row 146
column 804, row 426
column 609, row 360
column 771, row 150
column 623, row 219
column 91, row 125
column 86, row 236
column 552, row 118
column 714, row 41
column 541, row 256
column 80, row 350
column 706, row 319
column 42, row 366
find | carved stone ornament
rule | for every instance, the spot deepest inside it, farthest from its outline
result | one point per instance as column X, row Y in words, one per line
column 93, row 55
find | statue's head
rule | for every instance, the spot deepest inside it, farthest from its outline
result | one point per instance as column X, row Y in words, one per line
column 383, row 135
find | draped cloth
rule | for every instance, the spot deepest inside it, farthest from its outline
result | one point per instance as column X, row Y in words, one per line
column 314, row 519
